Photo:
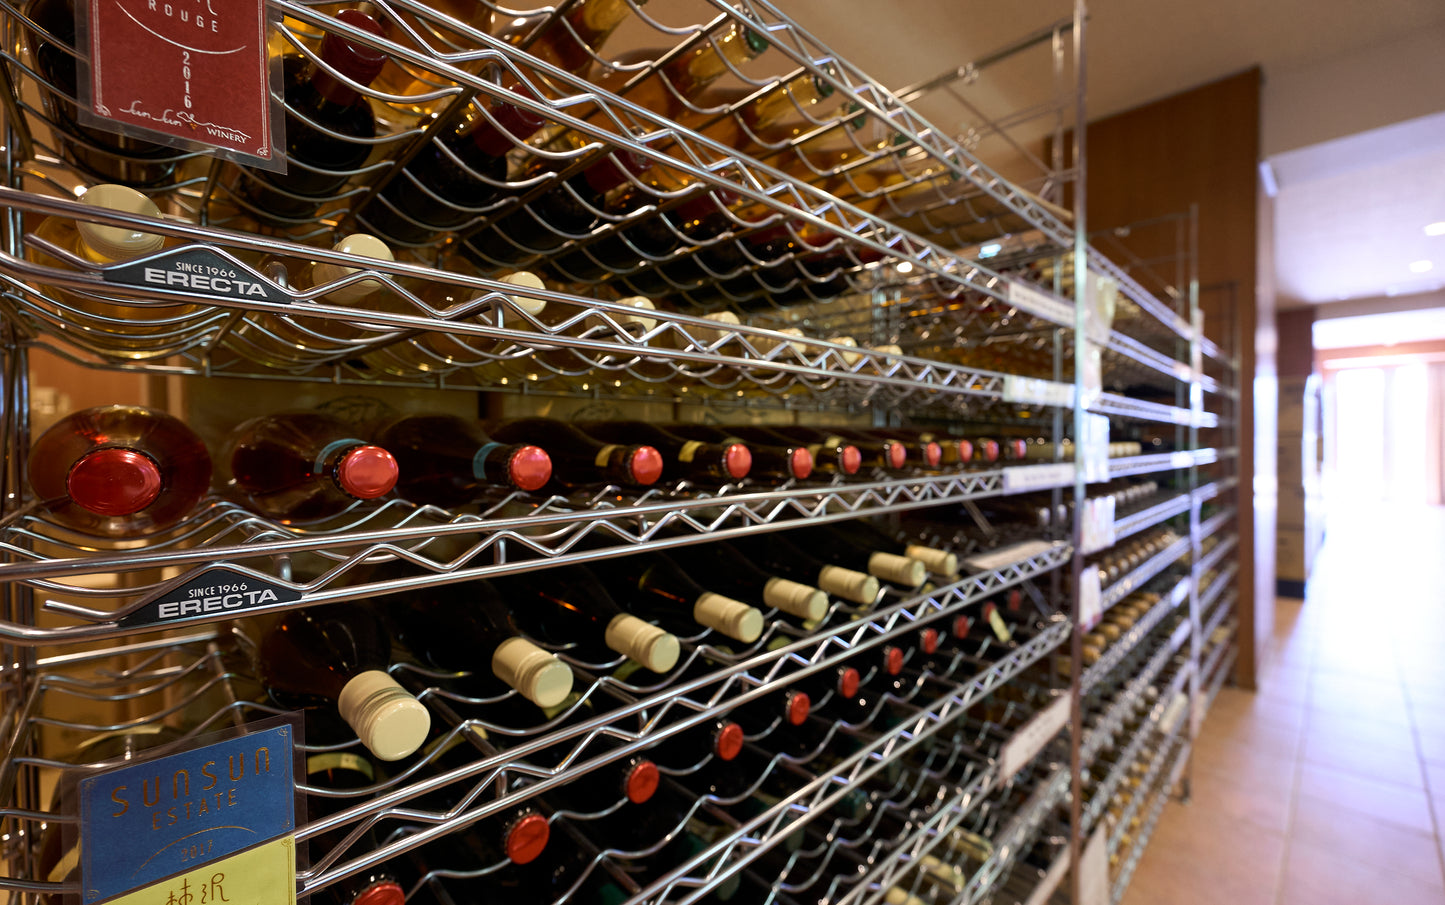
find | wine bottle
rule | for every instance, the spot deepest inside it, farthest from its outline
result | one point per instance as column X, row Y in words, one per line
column 673, row 88
column 566, row 211
column 347, row 771
column 119, row 470
column 724, row 568
column 285, row 342
column 445, row 184
column 104, row 155
column 772, row 462
column 831, row 454
column 918, row 453
column 877, row 453
column 682, row 460
column 650, row 584
column 846, row 549
column 329, row 125
column 568, row 605
column 402, row 78
column 864, row 533
column 119, row 325
column 444, row 460
column 652, row 237
column 338, row 655
column 300, row 466
column 718, row 739
column 570, row 40
column 777, row 555
column 468, row 627
column 438, row 351
column 580, row 461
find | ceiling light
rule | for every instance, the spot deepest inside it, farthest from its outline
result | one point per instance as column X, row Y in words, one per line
column 1435, row 229
column 990, row 250
column 1422, row 266
column 905, row 267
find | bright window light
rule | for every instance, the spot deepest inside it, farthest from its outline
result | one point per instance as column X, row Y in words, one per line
column 1422, row 266
column 990, row 250
column 1435, row 229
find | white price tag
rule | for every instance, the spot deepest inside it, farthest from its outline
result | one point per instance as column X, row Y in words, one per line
column 1006, row 556
column 1100, row 528
column 1032, row 736
column 1037, row 391
column 1023, row 478
column 1101, row 295
column 1040, row 304
column 1181, row 460
column 1091, row 599
column 1094, row 870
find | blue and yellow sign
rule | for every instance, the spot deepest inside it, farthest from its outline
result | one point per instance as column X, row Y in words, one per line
column 158, row 818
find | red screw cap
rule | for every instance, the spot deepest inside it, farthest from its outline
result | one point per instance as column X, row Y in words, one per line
column 527, row 838
column 802, row 463
column 367, row 472
column 1019, row 448
column 798, row 707
column 848, row 682
column 961, row 625
column 1015, row 600
column 929, row 640
column 530, row 467
column 897, row 455
column 852, row 460
column 738, row 460
column 965, row 451
column 893, row 660
column 990, row 450
column 384, row 892
column 114, row 481
column 933, row 454
column 728, row 743
column 642, row 781
column 645, row 465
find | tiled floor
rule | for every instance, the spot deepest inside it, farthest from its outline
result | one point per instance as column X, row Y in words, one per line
column 1327, row 787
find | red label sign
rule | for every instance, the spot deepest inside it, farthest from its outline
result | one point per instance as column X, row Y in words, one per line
column 184, row 69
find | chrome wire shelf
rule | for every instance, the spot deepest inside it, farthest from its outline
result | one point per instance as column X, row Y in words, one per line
column 1125, row 644
column 1146, row 571
column 1177, row 763
column 514, row 534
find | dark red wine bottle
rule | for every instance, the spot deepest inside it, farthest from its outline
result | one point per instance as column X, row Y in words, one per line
column 776, row 555
column 347, row 771
column 773, row 462
column 461, row 169
column 119, row 470
column 468, row 627
column 298, row 466
column 652, row 585
column 887, row 453
column 337, row 655
column 580, row 461
column 328, row 125
column 918, row 452
column 566, row 211
column 698, row 461
column 569, row 606
column 717, row 739
column 726, row 569
column 831, row 454
column 652, row 237
column 444, row 460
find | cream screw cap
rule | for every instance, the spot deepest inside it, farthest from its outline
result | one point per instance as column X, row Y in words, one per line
column 388, row 720
column 641, row 304
column 649, row 645
column 858, row 587
column 939, row 562
column 104, row 244
column 355, row 244
column 708, row 335
column 733, row 618
column 897, row 569
column 527, row 280
column 540, row 677
column 849, row 358
column 795, row 599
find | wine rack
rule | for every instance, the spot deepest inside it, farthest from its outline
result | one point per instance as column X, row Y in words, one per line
column 861, row 262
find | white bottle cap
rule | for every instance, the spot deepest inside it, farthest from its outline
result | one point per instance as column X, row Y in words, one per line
column 939, row 562
column 849, row 358
column 896, row 896
column 858, row 587
column 355, row 244
column 888, row 349
column 527, row 280
column 795, row 599
column 641, row 304
column 540, row 677
column 388, row 720
column 897, row 569
column 707, row 335
column 767, row 343
column 649, row 645
column 104, row 244
column 733, row 618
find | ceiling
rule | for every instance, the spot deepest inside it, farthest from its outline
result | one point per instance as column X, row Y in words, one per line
column 1379, row 329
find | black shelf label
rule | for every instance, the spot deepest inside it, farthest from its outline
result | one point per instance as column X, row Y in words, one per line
column 199, row 270
column 215, row 592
